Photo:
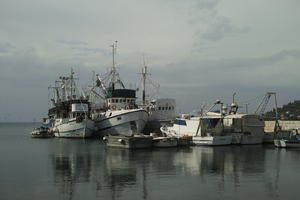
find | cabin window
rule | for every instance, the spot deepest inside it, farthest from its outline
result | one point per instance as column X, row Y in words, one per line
column 163, row 108
column 119, row 118
column 113, row 101
column 180, row 122
column 117, row 100
column 128, row 100
column 170, row 108
column 159, row 108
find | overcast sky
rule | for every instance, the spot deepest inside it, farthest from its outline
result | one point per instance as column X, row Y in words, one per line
column 197, row 50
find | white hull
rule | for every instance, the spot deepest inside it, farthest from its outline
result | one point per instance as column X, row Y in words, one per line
column 73, row 129
column 287, row 143
column 129, row 142
column 212, row 140
column 165, row 142
column 122, row 122
column 238, row 138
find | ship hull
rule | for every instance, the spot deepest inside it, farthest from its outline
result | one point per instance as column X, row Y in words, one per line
column 74, row 129
column 126, row 122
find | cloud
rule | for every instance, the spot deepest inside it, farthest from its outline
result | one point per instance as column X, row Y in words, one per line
column 86, row 50
column 198, row 49
column 207, row 4
column 72, row 42
column 209, row 25
column 6, row 47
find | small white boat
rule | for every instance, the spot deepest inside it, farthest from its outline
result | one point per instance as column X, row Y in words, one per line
column 193, row 127
column 212, row 140
column 281, row 143
column 128, row 142
column 41, row 133
column 292, row 141
column 165, row 142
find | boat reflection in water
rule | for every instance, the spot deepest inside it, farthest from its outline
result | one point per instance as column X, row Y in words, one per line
column 87, row 169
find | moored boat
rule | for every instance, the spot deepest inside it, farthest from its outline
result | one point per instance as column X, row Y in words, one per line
column 281, row 143
column 165, row 142
column 71, row 111
column 137, row 141
column 212, row 140
column 121, row 122
column 203, row 130
column 120, row 114
column 292, row 142
column 41, row 132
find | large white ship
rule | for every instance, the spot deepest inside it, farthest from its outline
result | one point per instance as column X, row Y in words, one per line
column 71, row 112
column 122, row 116
column 119, row 114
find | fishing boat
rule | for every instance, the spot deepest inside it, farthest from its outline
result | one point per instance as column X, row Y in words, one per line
column 161, row 110
column 120, row 114
column 120, row 121
column 71, row 111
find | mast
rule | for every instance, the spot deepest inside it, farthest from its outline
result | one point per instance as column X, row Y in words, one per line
column 71, row 83
column 113, row 71
column 144, row 74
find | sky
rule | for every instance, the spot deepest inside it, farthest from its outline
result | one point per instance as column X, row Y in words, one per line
column 196, row 50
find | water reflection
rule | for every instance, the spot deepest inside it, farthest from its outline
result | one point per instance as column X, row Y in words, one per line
column 140, row 174
column 71, row 160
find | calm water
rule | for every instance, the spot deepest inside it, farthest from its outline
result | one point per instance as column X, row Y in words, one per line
column 85, row 169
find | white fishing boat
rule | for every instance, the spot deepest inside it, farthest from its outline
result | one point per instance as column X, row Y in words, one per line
column 79, row 127
column 120, row 115
column 121, row 122
column 71, row 112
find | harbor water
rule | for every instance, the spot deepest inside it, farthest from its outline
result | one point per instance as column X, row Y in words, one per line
column 58, row 168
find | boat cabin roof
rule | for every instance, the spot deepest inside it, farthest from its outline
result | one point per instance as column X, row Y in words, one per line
column 120, row 93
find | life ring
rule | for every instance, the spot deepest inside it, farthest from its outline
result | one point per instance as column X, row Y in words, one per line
column 113, row 107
